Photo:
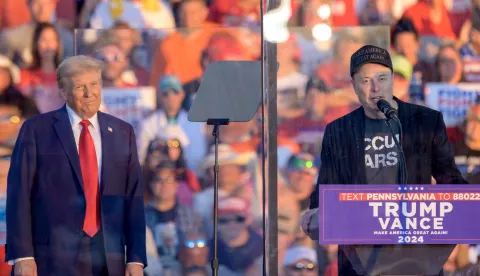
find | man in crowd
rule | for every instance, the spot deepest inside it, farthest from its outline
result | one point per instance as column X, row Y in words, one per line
column 74, row 200
column 347, row 141
column 239, row 246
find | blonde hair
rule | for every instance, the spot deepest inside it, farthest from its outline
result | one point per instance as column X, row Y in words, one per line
column 75, row 65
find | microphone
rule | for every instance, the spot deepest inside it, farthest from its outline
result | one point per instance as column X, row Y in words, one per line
column 387, row 109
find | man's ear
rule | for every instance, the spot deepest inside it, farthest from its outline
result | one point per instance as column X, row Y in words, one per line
column 63, row 94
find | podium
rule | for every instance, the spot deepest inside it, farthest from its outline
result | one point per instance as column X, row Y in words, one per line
column 398, row 230
column 398, row 260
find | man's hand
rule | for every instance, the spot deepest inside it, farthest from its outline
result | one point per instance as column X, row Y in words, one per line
column 134, row 270
column 309, row 223
column 25, row 268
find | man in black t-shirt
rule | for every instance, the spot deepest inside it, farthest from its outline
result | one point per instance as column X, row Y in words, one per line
column 358, row 148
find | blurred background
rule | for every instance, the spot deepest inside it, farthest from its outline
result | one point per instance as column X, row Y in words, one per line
column 155, row 54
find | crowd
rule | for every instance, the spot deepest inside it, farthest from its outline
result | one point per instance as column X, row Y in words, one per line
column 168, row 44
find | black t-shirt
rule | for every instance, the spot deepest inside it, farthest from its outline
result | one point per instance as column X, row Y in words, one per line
column 468, row 162
column 381, row 154
column 162, row 224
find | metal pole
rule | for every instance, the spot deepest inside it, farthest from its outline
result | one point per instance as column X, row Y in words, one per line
column 269, row 101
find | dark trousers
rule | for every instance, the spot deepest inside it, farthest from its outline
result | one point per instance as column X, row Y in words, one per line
column 92, row 259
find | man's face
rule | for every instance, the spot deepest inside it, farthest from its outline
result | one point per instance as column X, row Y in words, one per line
column 42, row 10
column 229, row 176
column 371, row 83
column 83, row 93
column 232, row 225
column 10, row 122
column 115, row 62
column 302, row 268
column 164, row 185
column 193, row 14
column 475, row 37
column 407, row 45
column 301, row 181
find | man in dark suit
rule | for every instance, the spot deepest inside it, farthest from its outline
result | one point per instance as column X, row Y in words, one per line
column 74, row 195
column 358, row 148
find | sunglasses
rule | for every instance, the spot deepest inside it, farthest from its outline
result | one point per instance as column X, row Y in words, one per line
column 12, row 119
column 301, row 164
column 173, row 143
column 237, row 219
column 300, row 267
column 200, row 243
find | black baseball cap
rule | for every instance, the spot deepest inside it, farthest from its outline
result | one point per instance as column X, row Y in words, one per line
column 370, row 54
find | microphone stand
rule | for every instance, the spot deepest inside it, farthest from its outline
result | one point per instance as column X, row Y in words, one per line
column 403, row 177
column 216, row 133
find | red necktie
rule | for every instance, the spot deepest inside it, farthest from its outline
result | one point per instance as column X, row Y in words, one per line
column 88, row 164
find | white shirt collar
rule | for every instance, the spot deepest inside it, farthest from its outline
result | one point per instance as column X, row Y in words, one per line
column 75, row 119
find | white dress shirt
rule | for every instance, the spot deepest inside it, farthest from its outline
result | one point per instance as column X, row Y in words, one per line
column 94, row 129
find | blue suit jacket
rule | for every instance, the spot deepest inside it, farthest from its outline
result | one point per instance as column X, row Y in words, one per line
column 46, row 203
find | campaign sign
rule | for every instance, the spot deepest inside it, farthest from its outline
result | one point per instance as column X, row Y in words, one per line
column 394, row 214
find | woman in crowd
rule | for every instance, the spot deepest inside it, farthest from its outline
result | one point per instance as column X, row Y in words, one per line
column 449, row 65
column 40, row 80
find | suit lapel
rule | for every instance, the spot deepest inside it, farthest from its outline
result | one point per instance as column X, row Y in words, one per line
column 107, row 147
column 64, row 131
column 358, row 149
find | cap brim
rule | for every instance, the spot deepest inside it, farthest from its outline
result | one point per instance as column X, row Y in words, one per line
column 375, row 62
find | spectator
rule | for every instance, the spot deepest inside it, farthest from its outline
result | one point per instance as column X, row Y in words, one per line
column 300, row 178
column 116, row 65
column 290, row 81
column 107, row 12
column 470, row 51
column 377, row 12
column 193, row 254
column 167, row 218
column 307, row 130
column 402, row 73
column 169, row 117
column 17, row 43
column 467, row 149
column 430, row 17
column 405, row 41
column 449, row 65
column 39, row 81
column 129, row 41
column 170, row 149
column 300, row 260
column 180, row 52
column 240, row 248
column 234, row 179
column 158, row 15
column 9, row 94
